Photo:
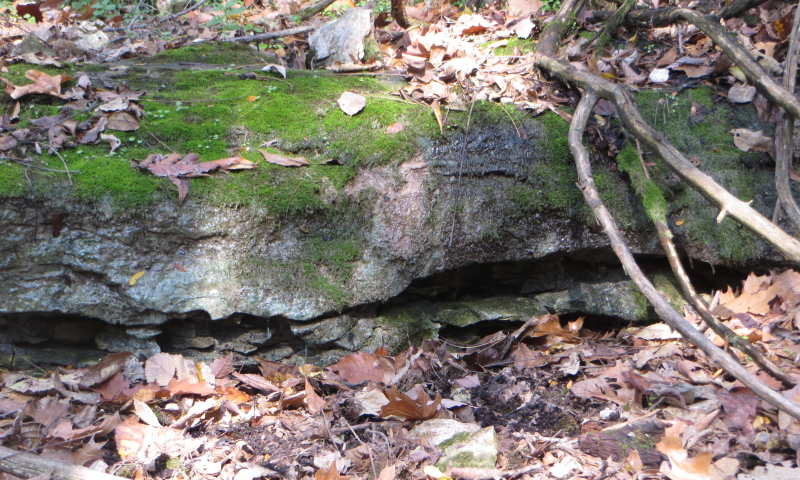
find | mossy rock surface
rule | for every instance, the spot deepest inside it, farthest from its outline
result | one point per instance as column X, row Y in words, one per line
column 371, row 213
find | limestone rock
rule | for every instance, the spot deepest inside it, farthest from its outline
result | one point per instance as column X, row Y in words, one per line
column 439, row 430
column 341, row 39
column 88, row 36
column 478, row 450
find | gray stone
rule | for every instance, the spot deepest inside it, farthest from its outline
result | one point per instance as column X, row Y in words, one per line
column 341, row 39
column 323, row 331
column 116, row 339
column 615, row 298
column 439, row 430
column 478, row 450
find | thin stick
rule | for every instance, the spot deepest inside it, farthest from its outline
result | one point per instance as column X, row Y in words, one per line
column 66, row 168
column 510, row 118
column 270, row 35
column 460, row 169
column 641, row 158
column 42, row 168
column 744, row 346
column 659, row 301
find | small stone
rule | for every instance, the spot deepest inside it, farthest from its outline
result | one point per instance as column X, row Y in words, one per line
column 565, row 467
column 479, row 450
column 439, row 430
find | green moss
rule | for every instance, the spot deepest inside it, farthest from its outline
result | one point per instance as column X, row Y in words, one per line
column 209, row 113
column 215, row 53
column 566, row 423
column 654, row 202
column 524, row 46
column 411, row 319
column 461, row 437
column 708, row 143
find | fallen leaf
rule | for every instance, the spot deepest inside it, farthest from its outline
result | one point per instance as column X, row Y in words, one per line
column 358, row 368
column 145, row 413
column 135, row 278
column 284, row 161
column 351, row 103
column 437, row 112
column 747, row 140
column 741, row 94
column 180, row 267
column 276, row 68
column 394, row 128
column 403, row 406
column 330, row 474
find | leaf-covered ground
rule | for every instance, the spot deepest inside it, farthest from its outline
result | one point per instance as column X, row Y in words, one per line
column 547, row 400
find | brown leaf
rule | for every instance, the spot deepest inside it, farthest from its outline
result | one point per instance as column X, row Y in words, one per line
column 160, row 368
column 112, row 388
column 403, row 406
column 180, row 267
column 223, row 366
column 437, row 112
column 747, row 140
column 256, row 381
column 358, row 368
column 104, row 369
column 741, row 93
column 394, row 128
column 182, row 184
column 389, row 472
column 351, row 103
column 184, row 386
column 122, row 121
column 313, row 401
column 330, row 474
column 284, row 161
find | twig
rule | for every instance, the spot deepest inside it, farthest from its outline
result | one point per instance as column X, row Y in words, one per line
column 42, row 168
column 460, row 169
column 641, row 158
column 519, row 134
column 661, row 304
column 785, row 134
column 308, row 12
column 66, row 168
column 27, row 465
column 270, row 35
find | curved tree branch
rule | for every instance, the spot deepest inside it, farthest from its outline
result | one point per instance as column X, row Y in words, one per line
column 661, row 304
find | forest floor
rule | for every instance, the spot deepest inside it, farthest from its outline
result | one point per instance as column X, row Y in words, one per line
column 544, row 401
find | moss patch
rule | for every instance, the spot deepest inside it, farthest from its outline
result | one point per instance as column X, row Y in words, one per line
column 706, row 140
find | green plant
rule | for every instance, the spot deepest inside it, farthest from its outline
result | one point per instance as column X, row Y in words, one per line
column 229, row 9
column 550, row 5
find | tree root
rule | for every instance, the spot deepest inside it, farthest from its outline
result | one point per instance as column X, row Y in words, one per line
column 785, row 134
column 623, row 100
column 661, row 304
